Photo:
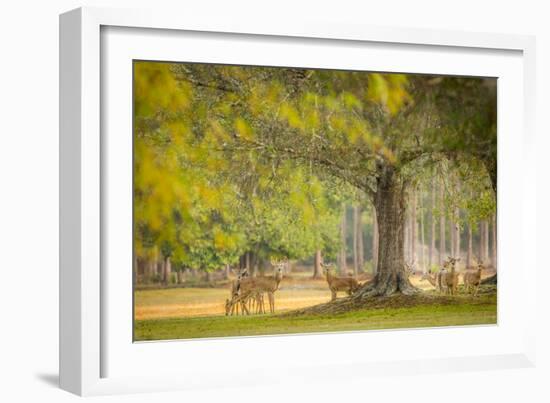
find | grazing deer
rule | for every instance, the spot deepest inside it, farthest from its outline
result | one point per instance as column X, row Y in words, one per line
column 431, row 278
column 472, row 279
column 232, row 305
column 449, row 279
column 259, row 285
column 435, row 279
column 335, row 284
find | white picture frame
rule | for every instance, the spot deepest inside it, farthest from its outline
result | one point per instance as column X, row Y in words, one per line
column 96, row 355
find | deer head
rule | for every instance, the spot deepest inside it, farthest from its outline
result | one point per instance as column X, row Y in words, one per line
column 327, row 267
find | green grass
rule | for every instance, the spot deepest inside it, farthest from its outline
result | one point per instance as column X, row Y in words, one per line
column 481, row 311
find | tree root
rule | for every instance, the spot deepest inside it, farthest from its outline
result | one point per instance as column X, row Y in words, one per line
column 373, row 292
column 490, row 280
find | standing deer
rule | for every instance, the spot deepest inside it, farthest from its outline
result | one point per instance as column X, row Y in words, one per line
column 472, row 279
column 449, row 279
column 335, row 284
column 438, row 279
column 259, row 285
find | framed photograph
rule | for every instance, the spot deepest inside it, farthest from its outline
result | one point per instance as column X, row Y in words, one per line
column 237, row 193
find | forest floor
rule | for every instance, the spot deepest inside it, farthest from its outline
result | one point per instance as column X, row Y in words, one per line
column 179, row 313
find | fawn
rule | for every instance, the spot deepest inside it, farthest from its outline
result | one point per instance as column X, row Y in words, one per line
column 335, row 284
column 472, row 279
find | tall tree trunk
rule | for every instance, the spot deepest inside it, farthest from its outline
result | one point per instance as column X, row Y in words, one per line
column 360, row 247
column 343, row 263
column 389, row 202
column 494, row 241
column 441, row 224
column 261, row 266
column 149, row 270
column 414, row 232
column 469, row 255
column 135, row 270
column 167, row 270
column 486, row 241
column 406, row 247
column 481, row 233
column 317, row 259
column 457, row 227
column 452, row 236
column 432, row 223
column 227, row 269
column 457, row 239
column 355, row 240
column 249, row 261
column 422, row 251
column 375, row 241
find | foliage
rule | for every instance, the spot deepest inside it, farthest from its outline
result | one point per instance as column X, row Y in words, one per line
column 231, row 159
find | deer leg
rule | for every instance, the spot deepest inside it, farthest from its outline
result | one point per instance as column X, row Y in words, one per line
column 271, row 303
column 245, row 309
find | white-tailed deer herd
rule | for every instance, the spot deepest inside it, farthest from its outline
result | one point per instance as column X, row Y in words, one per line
column 247, row 293
column 447, row 278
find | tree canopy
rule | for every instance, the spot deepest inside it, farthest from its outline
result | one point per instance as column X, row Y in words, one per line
column 229, row 159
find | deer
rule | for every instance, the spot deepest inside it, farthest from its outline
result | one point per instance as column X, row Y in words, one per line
column 472, row 279
column 254, row 286
column 232, row 305
column 436, row 279
column 449, row 279
column 237, row 299
column 335, row 284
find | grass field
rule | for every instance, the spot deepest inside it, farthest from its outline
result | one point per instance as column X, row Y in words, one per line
column 181, row 313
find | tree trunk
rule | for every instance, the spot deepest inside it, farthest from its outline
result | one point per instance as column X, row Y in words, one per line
column 342, row 262
column 360, row 247
column 167, row 269
column 432, row 232
column 317, row 259
column 414, row 232
column 135, row 270
column 486, row 241
column 480, row 249
column 261, row 266
column 375, row 241
column 469, row 255
column 494, row 241
column 149, row 270
column 226, row 272
column 355, row 241
column 457, row 227
column 390, row 209
column 452, row 236
column 406, row 237
column 422, row 251
column 441, row 225
column 457, row 239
